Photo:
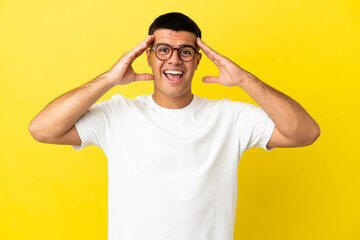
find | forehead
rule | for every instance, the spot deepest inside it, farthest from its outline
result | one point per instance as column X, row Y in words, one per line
column 174, row 38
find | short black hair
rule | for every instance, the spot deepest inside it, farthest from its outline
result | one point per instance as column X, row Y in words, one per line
column 175, row 21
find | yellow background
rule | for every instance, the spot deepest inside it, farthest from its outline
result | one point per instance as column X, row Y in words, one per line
column 307, row 49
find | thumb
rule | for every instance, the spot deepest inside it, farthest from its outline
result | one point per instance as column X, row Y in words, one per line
column 143, row 77
column 211, row 79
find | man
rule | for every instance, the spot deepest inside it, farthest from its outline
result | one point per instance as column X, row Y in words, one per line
column 172, row 156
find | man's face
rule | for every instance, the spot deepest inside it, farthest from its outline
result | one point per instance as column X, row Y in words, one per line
column 172, row 77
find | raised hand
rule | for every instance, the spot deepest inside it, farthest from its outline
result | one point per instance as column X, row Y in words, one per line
column 122, row 72
column 294, row 127
column 230, row 74
column 55, row 123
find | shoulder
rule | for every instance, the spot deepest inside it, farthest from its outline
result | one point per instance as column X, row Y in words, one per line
column 223, row 103
column 119, row 101
column 236, row 108
column 244, row 107
column 210, row 102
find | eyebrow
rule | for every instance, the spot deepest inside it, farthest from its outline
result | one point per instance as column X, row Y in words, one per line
column 180, row 46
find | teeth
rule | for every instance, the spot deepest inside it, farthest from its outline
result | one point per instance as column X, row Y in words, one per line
column 173, row 72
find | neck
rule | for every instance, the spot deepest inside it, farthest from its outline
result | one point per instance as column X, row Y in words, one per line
column 173, row 102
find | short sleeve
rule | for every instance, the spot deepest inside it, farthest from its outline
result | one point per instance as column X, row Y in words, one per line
column 92, row 126
column 253, row 125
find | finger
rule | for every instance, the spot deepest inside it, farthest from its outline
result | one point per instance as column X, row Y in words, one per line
column 210, row 53
column 140, row 48
column 211, row 79
column 143, row 77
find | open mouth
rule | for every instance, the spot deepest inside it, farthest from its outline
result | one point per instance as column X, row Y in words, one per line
column 174, row 76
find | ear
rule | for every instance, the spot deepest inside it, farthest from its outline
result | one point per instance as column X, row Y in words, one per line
column 148, row 51
column 198, row 58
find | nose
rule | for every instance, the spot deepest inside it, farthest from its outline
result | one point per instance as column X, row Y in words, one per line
column 175, row 58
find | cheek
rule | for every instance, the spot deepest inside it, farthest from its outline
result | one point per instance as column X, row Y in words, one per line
column 191, row 69
column 156, row 69
column 154, row 63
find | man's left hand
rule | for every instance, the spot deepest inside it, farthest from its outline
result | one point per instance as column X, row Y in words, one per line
column 294, row 127
column 230, row 74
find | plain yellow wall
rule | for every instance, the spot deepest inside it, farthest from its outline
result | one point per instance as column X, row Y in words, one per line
column 307, row 49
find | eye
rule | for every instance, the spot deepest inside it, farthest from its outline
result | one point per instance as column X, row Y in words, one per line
column 163, row 49
column 186, row 51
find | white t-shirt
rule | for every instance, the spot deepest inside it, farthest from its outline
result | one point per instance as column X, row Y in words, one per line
column 172, row 173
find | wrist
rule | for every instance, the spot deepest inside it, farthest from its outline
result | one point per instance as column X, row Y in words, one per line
column 109, row 79
column 245, row 79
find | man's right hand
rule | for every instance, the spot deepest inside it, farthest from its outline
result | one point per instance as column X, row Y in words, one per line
column 55, row 123
column 122, row 72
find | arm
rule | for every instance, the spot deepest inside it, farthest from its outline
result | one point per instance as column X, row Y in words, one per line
column 55, row 123
column 294, row 127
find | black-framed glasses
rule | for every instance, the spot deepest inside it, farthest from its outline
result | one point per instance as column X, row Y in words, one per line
column 164, row 51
